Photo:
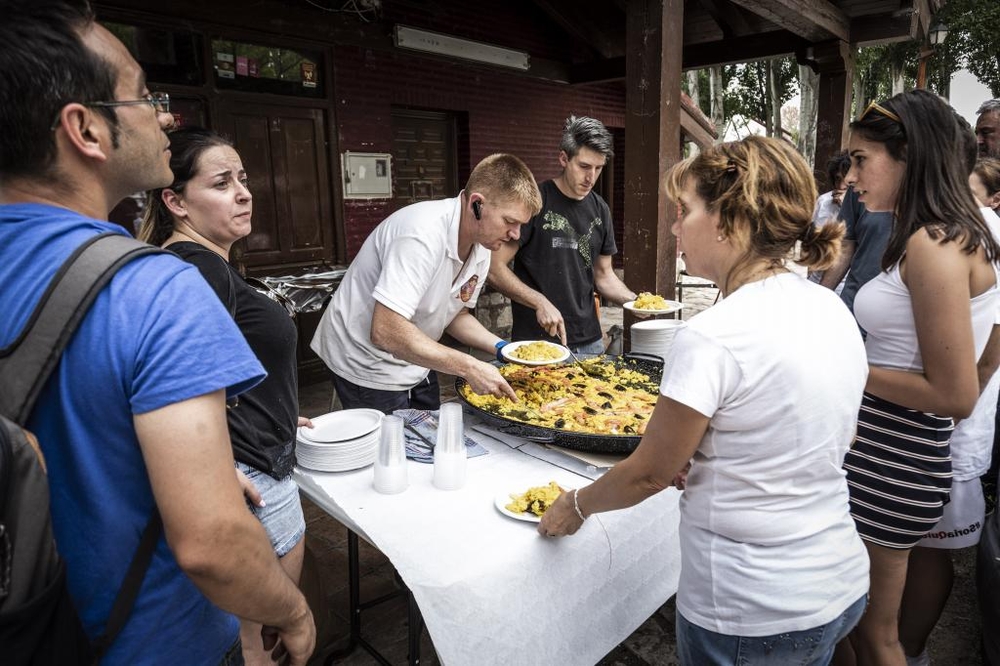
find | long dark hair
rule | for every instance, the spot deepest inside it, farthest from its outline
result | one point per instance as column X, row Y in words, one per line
column 920, row 129
column 186, row 146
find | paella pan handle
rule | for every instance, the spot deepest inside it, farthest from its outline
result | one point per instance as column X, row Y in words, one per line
column 644, row 357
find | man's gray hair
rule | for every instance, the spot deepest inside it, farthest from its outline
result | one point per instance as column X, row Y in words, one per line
column 989, row 106
column 584, row 132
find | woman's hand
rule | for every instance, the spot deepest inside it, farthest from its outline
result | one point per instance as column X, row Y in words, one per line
column 560, row 519
column 672, row 437
column 249, row 490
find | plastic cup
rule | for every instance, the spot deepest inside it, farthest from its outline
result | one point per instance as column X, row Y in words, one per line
column 390, row 460
column 450, row 434
column 449, row 451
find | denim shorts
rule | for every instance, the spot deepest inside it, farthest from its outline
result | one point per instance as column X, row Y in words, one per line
column 809, row 647
column 282, row 517
column 591, row 348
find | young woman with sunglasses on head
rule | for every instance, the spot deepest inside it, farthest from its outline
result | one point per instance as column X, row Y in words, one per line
column 928, row 315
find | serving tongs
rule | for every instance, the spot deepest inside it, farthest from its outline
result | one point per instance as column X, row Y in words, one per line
column 587, row 370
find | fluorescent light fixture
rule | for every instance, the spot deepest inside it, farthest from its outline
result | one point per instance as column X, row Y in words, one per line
column 456, row 47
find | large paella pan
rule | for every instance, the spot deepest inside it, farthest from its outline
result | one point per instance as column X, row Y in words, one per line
column 601, row 406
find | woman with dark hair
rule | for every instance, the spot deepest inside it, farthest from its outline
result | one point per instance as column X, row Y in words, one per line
column 772, row 569
column 928, row 315
column 204, row 211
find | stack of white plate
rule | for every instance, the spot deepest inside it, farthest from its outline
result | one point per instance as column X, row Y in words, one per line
column 655, row 336
column 339, row 441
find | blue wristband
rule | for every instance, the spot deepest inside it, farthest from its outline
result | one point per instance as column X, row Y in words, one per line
column 498, row 346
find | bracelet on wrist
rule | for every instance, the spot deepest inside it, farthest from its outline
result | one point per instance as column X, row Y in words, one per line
column 576, row 507
column 498, row 346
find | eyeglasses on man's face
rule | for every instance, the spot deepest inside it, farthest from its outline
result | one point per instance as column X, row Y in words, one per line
column 159, row 101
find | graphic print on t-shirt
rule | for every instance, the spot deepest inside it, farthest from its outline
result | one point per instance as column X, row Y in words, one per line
column 556, row 222
column 467, row 289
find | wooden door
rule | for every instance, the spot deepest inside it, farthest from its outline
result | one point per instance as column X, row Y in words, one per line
column 284, row 151
column 424, row 158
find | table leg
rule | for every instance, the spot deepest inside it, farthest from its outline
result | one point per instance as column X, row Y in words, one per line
column 354, row 601
column 415, row 622
column 415, row 627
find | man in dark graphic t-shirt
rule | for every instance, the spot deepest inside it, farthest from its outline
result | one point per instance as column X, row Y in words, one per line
column 564, row 253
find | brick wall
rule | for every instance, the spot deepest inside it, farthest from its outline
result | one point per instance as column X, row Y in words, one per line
column 506, row 113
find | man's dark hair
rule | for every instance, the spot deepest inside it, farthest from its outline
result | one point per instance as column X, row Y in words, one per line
column 44, row 66
column 583, row 132
column 837, row 166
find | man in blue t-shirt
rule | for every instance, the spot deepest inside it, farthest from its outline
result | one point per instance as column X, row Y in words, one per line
column 133, row 419
column 861, row 250
column 564, row 253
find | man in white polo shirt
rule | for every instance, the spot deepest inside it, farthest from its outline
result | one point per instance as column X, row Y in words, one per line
column 417, row 276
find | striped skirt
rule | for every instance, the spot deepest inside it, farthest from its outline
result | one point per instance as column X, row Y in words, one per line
column 898, row 472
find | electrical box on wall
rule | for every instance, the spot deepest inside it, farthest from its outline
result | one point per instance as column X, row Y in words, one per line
column 366, row 175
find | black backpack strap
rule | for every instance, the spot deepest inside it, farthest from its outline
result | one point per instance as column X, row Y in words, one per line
column 125, row 600
column 28, row 362
column 25, row 366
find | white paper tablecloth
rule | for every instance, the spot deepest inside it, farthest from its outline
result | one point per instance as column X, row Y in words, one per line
column 490, row 589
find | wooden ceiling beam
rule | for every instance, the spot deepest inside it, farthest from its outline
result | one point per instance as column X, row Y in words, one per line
column 696, row 56
column 727, row 16
column 574, row 21
column 598, row 71
column 742, row 49
column 814, row 20
column 899, row 27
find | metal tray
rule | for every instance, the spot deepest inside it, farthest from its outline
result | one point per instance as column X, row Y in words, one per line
column 651, row 365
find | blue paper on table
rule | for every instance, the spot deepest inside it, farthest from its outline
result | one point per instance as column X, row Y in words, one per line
column 420, row 447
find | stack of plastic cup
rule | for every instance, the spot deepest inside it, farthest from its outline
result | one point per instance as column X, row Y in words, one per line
column 449, row 452
column 390, row 460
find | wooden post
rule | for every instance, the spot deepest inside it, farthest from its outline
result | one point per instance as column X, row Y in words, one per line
column 654, row 40
column 836, row 73
column 925, row 53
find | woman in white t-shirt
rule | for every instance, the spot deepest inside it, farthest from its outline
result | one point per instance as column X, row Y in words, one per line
column 760, row 392
column 928, row 315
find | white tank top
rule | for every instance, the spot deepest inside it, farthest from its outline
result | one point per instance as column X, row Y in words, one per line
column 884, row 309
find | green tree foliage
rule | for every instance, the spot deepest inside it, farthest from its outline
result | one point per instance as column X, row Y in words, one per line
column 874, row 66
column 973, row 41
column 746, row 89
column 747, row 93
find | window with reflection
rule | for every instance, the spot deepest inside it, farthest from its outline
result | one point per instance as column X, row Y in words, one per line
column 267, row 69
column 167, row 56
